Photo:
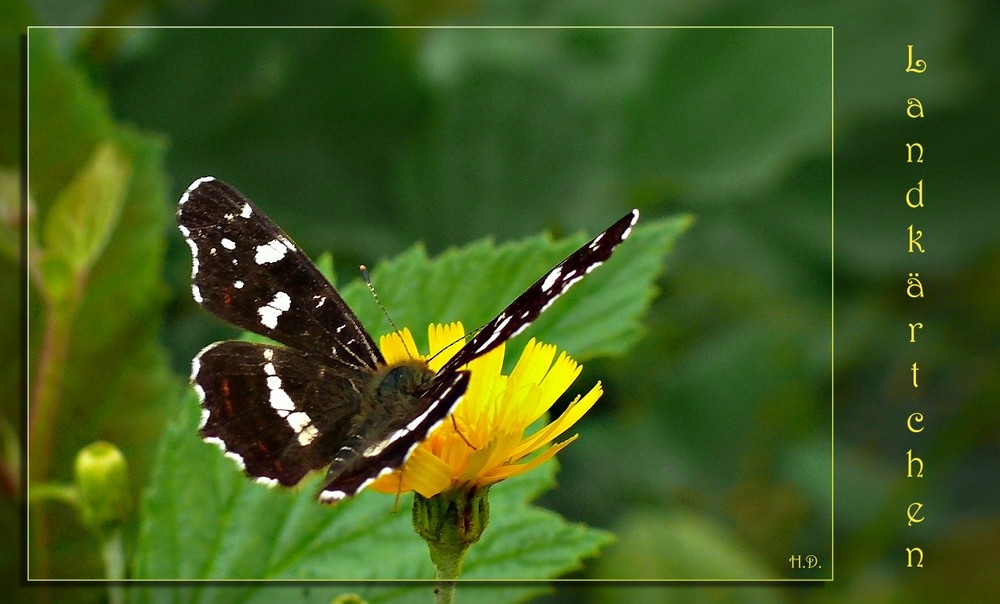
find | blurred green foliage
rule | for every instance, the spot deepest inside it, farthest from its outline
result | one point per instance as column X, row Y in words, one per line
column 715, row 427
column 95, row 243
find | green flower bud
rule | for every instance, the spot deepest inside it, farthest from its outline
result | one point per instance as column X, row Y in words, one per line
column 102, row 482
column 450, row 522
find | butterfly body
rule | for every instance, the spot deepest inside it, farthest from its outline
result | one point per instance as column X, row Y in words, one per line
column 323, row 396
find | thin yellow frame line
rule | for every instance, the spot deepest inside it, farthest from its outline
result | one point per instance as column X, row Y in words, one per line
column 538, row 27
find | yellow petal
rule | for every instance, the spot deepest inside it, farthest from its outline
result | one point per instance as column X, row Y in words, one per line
column 570, row 416
column 506, row 471
column 476, row 462
column 533, row 364
column 557, row 381
column 423, row 473
column 398, row 346
column 444, row 341
column 428, row 475
column 485, row 385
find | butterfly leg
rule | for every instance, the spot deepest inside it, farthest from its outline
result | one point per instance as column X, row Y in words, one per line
column 459, row 432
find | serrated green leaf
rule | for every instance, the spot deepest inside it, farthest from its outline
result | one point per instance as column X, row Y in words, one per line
column 82, row 219
column 202, row 519
column 599, row 316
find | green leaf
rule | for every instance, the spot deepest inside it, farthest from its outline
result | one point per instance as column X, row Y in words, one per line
column 599, row 316
column 202, row 519
column 82, row 219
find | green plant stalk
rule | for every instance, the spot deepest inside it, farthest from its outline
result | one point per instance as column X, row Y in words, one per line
column 63, row 493
column 113, row 553
column 450, row 522
column 47, row 387
column 45, row 395
column 448, row 571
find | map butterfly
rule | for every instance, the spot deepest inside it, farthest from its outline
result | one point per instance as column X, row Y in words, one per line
column 325, row 397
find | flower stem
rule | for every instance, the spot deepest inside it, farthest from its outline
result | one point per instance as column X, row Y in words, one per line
column 113, row 553
column 46, row 390
column 445, row 584
column 42, row 417
column 450, row 523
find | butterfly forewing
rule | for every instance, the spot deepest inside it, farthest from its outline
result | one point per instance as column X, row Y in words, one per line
column 520, row 313
column 247, row 271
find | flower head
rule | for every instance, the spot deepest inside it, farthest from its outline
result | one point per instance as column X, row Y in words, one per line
column 484, row 441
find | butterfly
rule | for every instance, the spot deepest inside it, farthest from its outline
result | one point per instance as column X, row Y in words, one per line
column 325, row 398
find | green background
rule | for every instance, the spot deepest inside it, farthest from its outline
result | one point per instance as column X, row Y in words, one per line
column 709, row 456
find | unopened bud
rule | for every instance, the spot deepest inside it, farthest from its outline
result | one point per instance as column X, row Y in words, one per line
column 102, row 482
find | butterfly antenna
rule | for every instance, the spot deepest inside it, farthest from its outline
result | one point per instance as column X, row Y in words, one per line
column 452, row 343
column 368, row 281
column 457, row 340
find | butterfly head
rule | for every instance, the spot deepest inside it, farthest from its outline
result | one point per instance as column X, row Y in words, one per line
column 404, row 378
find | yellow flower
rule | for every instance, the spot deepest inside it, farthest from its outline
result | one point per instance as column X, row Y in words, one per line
column 484, row 441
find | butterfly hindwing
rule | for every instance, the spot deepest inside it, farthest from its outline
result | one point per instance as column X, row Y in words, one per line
column 247, row 271
column 278, row 412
